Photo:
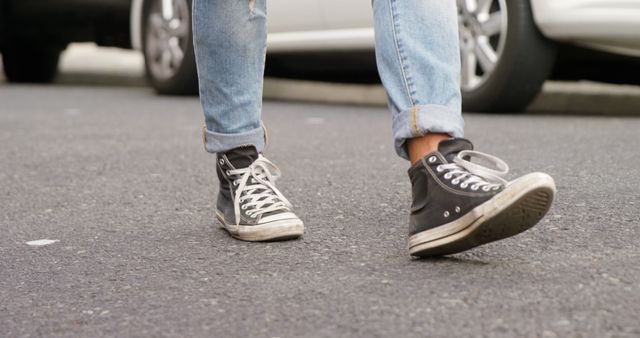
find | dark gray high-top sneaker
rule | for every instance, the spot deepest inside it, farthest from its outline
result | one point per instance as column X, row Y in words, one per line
column 458, row 205
column 249, row 205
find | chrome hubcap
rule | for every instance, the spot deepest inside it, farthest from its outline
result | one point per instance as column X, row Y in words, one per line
column 483, row 28
column 167, row 37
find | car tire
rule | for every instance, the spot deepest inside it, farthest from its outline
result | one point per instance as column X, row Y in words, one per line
column 525, row 62
column 30, row 62
column 179, row 77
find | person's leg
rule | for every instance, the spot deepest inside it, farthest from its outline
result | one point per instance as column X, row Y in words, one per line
column 419, row 64
column 457, row 205
column 230, row 39
column 230, row 42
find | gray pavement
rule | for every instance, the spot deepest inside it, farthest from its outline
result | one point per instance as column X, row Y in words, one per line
column 119, row 176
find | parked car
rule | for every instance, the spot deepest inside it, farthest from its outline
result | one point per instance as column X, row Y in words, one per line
column 508, row 47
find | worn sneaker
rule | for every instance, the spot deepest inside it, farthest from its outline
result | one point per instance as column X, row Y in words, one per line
column 249, row 205
column 458, row 205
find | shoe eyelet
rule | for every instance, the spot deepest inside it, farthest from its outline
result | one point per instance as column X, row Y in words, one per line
column 432, row 159
column 457, row 209
column 253, row 215
column 439, row 169
column 244, row 207
column 464, row 185
column 228, row 173
column 446, row 214
column 235, row 183
column 474, row 187
column 455, row 181
column 486, row 188
column 447, row 176
column 221, row 161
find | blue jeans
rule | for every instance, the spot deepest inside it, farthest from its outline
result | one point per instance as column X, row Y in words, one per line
column 417, row 55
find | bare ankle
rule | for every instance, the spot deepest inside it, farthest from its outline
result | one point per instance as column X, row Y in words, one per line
column 420, row 146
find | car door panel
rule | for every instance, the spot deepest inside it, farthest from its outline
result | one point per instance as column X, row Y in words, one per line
column 293, row 16
column 350, row 14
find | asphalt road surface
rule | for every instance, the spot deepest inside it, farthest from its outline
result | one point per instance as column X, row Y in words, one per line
column 118, row 180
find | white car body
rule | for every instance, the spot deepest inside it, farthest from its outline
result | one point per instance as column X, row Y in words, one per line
column 317, row 25
column 608, row 25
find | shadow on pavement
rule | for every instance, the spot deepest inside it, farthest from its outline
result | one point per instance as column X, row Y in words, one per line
column 450, row 259
column 88, row 65
column 93, row 79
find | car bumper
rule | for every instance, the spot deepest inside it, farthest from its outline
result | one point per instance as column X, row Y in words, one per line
column 602, row 24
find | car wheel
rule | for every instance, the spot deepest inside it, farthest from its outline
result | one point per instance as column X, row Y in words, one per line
column 30, row 62
column 168, row 47
column 505, row 58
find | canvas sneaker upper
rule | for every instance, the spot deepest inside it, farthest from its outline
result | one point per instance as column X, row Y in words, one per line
column 248, row 195
column 459, row 204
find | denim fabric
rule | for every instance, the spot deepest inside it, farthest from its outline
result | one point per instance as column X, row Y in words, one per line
column 230, row 40
column 419, row 64
column 416, row 49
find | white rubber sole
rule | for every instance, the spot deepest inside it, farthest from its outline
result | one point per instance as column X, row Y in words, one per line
column 273, row 231
column 516, row 209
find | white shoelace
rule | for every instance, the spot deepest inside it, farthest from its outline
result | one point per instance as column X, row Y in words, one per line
column 467, row 173
column 255, row 185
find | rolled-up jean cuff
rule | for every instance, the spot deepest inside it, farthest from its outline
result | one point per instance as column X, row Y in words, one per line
column 218, row 142
column 425, row 119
